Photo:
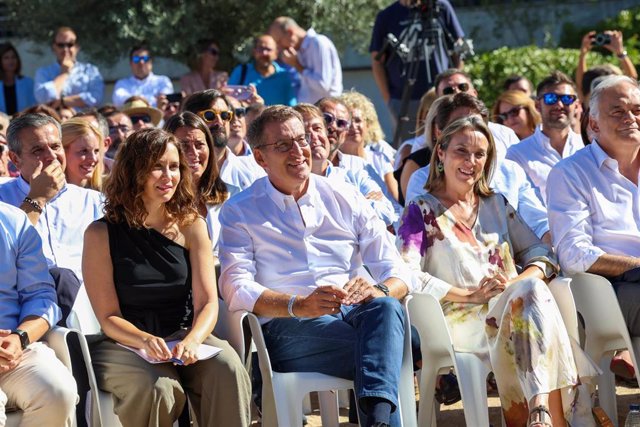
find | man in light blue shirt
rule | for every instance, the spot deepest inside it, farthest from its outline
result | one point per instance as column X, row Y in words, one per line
column 313, row 55
column 68, row 82
column 272, row 81
column 31, row 377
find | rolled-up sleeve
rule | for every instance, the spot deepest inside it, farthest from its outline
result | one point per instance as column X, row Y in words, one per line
column 44, row 89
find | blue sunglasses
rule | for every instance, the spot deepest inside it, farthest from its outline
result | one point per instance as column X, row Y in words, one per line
column 552, row 98
column 140, row 58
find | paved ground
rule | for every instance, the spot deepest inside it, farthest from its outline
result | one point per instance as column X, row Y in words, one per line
column 453, row 415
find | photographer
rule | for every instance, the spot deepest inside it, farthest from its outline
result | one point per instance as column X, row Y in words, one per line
column 610, row 40
column 389, row 69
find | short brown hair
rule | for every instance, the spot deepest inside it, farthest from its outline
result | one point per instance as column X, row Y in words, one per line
column 273, row 114
column 554, row 79
column 123, row 190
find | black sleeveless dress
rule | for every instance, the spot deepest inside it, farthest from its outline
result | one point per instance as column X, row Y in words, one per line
column 152, row 276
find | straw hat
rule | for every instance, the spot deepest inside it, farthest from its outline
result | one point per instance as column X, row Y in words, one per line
column 138, row 106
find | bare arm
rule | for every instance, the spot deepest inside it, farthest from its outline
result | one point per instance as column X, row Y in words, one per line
column 409, row 168
column 380, row 76
column 617, row 47
column 323, row 300
column 613, row 265
column 585, row 47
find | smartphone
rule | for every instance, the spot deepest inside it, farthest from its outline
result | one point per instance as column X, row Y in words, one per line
column 174, row 97
column 239, row 92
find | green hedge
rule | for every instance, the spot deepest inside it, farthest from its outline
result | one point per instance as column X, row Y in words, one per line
column 489, row 70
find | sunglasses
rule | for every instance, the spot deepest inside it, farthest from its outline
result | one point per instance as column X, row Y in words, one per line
column 140, row 58
column 552, row 98
column 450, row 90
column 500, row 118
column 340, row 123
column 213, row 51
column 239, row 112
column 121, row 128
column 285, row 145
column 145, row 118
column 67, row 45
column 210, row 115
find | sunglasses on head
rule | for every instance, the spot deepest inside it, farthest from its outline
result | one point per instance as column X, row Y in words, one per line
column 211, row 114
column 509, row 114
column 340, row 123
column 140, row 58
column 67, row 45
column 240, row 112
column 145, row 118
column 552, row 98
column 450, row 90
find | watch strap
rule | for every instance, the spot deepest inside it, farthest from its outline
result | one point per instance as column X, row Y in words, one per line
column 382, row 287
column 24, row 337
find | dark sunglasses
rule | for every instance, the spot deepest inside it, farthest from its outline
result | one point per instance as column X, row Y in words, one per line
column 240, row 112
column 450, row 90
column 145, row 118
column 121, row 128
column 140, row 58
column 340, row 123
column 213, row 51
column 552, row 98
column 211, row 114
column 500, row 118
column 67, row 45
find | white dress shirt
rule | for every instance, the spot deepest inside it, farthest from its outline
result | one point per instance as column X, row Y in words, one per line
column 240, row 171
column 322, row 73
column 213, row 220
column 536, row 156
column 149, row 87
column 509, row 180
column 504, row 138
column 271, row 241
column 593, row 210
column 63, row 221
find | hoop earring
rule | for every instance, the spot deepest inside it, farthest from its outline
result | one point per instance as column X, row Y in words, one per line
column 439, row 166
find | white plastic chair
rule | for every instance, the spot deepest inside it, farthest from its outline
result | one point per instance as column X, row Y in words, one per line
column 56, row 339
column 605, row 332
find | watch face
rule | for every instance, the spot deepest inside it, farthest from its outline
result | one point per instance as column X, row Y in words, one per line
column 24, row 337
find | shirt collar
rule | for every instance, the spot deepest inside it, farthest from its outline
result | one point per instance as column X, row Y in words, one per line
column 150, row 75
column 311, row 33
column 601, row 157
column 544, row 139
column 24, row 187
column 281, row 200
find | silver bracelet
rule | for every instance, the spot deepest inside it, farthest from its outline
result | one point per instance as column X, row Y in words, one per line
column 290, row 306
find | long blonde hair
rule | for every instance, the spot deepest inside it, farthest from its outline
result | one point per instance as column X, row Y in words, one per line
column 75, row 128
column 355, row 100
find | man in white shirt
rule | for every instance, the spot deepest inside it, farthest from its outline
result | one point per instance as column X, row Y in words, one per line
column 142, row 82
column 554, row 139
column 216, row 110
column 291, row 249
column 593, row 206
column 313, row 55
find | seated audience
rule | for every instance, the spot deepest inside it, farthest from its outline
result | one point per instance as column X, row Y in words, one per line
column 120, row 127
column 16, row 91
column 318, row 314
column 43, row 109
column 417, row 142
column 238, row 129
column 517, row 111
column 593, row 207
column 316, row 130
column 141, row 113
column 32, row 379
column 149, row 276
column 253, row 111
column 519, row 83
column 554, row 139
column 217, row 112
column 84, row 149
column 210, row 191
column 68, row 82
column 508, row 318
column 142, row 82
column 204, row 74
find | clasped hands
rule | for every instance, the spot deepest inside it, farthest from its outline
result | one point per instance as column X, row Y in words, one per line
column 328, row 299
column 10, row 351
column 490, row 286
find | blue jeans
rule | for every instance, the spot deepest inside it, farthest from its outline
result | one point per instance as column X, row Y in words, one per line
column 363, row 343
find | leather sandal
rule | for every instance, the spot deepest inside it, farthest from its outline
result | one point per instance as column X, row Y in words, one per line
column 540, row 417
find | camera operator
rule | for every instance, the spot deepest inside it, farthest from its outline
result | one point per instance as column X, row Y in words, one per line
column 610, row 40
column 388, row 68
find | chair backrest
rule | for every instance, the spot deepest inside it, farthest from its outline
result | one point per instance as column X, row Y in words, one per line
column 425, row 314
column 230, row 327
column 561, row 290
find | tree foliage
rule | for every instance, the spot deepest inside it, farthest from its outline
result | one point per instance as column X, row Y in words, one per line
column 107, row 30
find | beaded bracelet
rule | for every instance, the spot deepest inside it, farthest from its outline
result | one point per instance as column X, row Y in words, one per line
column 35, row 205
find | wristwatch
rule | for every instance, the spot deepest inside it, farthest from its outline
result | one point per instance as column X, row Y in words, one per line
column 382, row 287
column 24, row 337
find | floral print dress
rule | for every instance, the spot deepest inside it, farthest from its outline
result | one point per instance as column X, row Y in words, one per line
column 520, row 332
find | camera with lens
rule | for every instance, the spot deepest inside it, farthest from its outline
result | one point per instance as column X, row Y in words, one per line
column 601, row 39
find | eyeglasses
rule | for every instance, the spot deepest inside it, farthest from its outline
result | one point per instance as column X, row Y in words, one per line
column 340, row 123
column 145, row 118
column 213, row 51
column 450, row 90
column 552, row 98
column 136, row 59
column 509, row 114
column 285, row 145
column 69, row 45
column 119, row 128
column 211, row 114
column 239, row 112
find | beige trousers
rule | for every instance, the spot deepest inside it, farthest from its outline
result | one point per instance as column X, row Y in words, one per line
column 42, row 387
column 154, row 395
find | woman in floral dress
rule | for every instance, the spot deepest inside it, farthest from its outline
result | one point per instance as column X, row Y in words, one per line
column 465, row 242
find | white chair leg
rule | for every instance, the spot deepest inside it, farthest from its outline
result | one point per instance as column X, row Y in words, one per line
column 426, row 413
column 343, row 398
column 607, row 389
column 473, row 389
column 329, row 412
column 306, row 405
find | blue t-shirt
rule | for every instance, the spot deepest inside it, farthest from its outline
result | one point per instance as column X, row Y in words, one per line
column 275, row 89
column 397, row 20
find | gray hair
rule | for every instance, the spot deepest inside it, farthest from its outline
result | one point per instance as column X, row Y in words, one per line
column 604, row 84
column 34, row 120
